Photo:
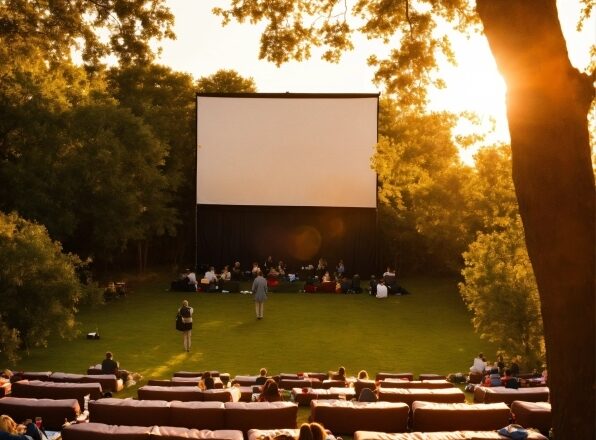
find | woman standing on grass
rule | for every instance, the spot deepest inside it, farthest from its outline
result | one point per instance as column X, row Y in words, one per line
column 259, row 290
column 186, row 312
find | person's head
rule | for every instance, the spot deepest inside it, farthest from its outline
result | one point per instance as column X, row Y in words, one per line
column 263, row 372
column 185, row 303
column 507, row 372
column 270, row 388
column 206, row 375
column 7, row 424
column 381, row 281
column 259, row 273
column 226, row 268
column 109, row 355
column 237, row 264
column 211, row 269
column 341, row 371
column 363, row 375
column 481, row 355
column 312, row 431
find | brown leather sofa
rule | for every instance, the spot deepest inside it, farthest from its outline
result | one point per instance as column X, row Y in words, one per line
column 56, row 390
column 269, row 434
column 260, row 415
column 428, row 416
column 508, row 395
column 432, row 376
column 360, row 384
column 346, row 417
column 109, row 382
column 450, row 435
column 197, row 415
column 288, row 384
column 409, row 396
column 101, row 431
column 428, row 384
column 532, row 415
column 184, row 394
column 383, row 376
column 52, row 411
column 31, row 375
column 245, row 381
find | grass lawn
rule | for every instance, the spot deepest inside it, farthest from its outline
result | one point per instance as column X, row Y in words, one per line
column 426, row 332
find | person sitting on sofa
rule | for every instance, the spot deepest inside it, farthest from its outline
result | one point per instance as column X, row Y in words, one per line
column 508, row 381
column 206, row 382
column 493, row 379
column 9, row 430
column 262, row 377
column 270, row 392
column 339, row 375
column 312, row 431
column 362, row 375
column 478, row 365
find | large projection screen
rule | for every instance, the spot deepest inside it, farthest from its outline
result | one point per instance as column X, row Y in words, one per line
column 286, row 150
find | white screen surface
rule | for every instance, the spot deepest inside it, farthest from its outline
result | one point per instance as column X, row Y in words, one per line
column 294, row 151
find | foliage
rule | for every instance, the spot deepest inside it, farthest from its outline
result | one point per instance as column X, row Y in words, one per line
column 226, row 81
column 423, row 188
column 500, row 289
column 294, row 27
column 39, row 288
column 95, row 28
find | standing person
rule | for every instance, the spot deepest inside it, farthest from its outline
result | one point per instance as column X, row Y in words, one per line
column 259, row 289
column 186, row 312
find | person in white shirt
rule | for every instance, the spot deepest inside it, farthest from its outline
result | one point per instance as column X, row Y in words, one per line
column 381, row 289
column 192, row 278
column 210, row 275
column 479, row 365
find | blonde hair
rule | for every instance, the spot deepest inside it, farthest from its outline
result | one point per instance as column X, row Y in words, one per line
column 312, row 431
column 185, row 303
column 7, row 424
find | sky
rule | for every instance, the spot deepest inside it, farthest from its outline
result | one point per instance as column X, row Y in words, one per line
column 203, row 46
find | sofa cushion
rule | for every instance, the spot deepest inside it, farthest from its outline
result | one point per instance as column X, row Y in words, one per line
column 427, row 384
column 383, row 376
column 428, row 416
column 65, row 377
column 532, row 415
column 508, row 395
column 288, row 384
column 198, row 415
column 346, row 417
column 409, row 396
column 245, row 380
column 184, row 394
column 53, row 412
column 129, row 412
column 176, row 433
column 451, row 435
column 31, row 375
column 260, row 415
column 101, row 431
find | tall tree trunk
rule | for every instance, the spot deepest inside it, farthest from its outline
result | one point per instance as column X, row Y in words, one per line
column 547, row 107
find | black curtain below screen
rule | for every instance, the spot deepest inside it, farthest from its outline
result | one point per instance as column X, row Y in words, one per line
column 297, row 235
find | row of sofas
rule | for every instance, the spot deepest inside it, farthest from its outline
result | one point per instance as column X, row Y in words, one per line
column 109, row 382
column 102, row 431
column 347, row 417
column 54, row 412
column 196, row 415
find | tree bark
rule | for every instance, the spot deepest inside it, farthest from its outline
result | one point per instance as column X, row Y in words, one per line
column 547, row 106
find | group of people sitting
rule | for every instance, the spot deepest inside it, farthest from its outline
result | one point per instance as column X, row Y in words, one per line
column 498, row 374
column 386, row 285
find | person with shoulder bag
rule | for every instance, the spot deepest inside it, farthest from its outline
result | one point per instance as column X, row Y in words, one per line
column 184, row 323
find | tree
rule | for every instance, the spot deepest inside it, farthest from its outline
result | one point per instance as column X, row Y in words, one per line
column 226, row 81
column 162, row 98
column 547, row 105
column 500, row 290
column 39, row 288
column 423, row 188
column 96, row 28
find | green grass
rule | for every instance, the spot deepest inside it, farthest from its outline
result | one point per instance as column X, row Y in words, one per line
column 426, row 332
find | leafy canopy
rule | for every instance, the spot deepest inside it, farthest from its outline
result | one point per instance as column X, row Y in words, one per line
column 39, row 287
column 294, row 27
